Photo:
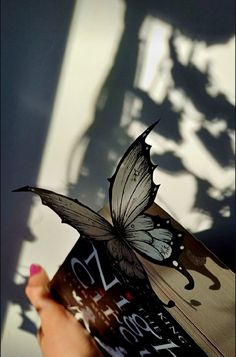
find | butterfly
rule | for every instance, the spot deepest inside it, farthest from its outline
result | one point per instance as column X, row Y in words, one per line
column 132, row 191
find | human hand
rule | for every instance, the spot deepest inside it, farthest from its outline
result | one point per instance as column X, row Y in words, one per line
column 60, row 334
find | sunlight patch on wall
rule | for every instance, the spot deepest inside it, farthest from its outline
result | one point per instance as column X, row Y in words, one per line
column 220, row 61
column 153, row 76
column 94, row 32
column 154, row 63
column 217, row 59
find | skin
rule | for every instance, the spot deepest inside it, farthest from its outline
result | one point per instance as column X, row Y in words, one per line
column 60, row 333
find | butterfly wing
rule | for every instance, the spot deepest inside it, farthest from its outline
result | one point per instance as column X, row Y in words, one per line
column 152, row 242
column 130, row 266
column 126, row 260
column 87, row 222
column 132, row 190
column 158, row 241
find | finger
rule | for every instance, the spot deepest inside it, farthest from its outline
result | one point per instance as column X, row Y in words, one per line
column 37, row 291
column 37, row 287
column 57, row 324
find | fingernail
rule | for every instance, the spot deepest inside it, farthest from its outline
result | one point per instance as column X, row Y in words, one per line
column 35, row 269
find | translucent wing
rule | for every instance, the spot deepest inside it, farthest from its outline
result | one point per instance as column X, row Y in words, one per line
column 153, row 243
column 132, row 192
column 127, row 262
column 132, row 189
column 125, row 259
column 158, row 241
column 87, row 222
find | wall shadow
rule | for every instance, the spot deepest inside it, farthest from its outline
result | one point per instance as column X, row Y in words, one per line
column 33, row 38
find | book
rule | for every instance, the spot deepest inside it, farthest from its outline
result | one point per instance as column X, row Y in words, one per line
column 137, row 280
column 129, row 320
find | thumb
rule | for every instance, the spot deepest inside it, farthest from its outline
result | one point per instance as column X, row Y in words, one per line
column 38, row 293
column 37, row 288
column 60, row 333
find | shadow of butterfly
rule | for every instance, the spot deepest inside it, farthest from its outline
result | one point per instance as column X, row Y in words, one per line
column 132, row 191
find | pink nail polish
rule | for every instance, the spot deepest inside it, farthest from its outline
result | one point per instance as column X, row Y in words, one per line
column 35, row 269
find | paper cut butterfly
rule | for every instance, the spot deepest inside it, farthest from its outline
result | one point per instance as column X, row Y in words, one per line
column 132, row 191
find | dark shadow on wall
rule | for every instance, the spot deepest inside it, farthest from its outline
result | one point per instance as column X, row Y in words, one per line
column 108, row 140
column 33, row 38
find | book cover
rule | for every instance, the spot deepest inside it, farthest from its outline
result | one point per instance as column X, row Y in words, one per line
column 124, row 315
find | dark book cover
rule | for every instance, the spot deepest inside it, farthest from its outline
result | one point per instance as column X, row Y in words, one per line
column 124, row 315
